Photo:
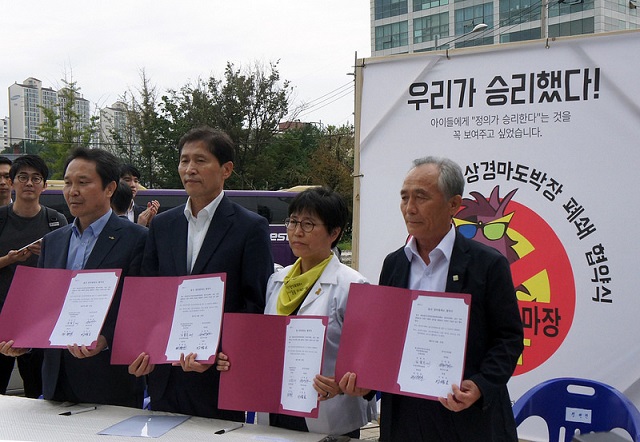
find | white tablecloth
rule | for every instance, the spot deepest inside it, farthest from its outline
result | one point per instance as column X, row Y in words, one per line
column 39, row 420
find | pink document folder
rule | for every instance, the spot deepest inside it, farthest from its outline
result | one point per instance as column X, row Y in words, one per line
column 34, row 302
column 373, row 335
column 145, row 317
column 255, row 345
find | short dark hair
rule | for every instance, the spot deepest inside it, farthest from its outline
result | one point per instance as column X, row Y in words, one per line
column 218, row 142
column 5, row 160
column 107, row 165
column 33, row 161
column 326, row 204
column 121, row 198
column 129, row 169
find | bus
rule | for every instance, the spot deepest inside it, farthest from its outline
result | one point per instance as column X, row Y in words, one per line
column 273, row 205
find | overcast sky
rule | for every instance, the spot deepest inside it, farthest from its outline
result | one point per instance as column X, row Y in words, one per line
column 104, row 45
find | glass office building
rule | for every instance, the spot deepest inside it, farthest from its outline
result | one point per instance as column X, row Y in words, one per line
column 403, row 26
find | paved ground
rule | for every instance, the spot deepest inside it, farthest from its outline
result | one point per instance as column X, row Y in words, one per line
column 370, row 431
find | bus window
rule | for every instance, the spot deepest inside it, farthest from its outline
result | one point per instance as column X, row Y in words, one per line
column 273, row 205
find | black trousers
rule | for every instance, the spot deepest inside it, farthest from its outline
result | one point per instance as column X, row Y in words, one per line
column 30, row 368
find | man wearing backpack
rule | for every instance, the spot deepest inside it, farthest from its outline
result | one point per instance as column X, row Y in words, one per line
column 22, row 224
column 5, row 181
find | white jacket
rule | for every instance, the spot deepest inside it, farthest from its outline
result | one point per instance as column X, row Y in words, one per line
column 328, row 297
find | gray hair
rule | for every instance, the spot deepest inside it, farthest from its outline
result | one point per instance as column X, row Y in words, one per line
column 451, row 180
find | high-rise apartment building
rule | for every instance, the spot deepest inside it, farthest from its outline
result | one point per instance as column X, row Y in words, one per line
column 81, row 108
column 26, row 103
column 402, row 26
column 114, row 127
column 25, row 109
column 4, row 134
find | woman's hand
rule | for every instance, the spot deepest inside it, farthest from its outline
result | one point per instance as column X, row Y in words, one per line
column 326, row 386
column 348, row 385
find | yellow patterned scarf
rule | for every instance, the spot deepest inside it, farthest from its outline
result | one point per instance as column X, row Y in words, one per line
column 296, row 286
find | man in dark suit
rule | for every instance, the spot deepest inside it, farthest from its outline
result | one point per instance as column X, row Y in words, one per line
column 97, row 239
column 210, row 234
column 437, row 259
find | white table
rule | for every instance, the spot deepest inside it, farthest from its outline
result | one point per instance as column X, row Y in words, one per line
column 39, row 420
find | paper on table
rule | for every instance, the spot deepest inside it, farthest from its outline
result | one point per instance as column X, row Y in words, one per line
column 85, row 308
column 429, row 362
column 196, row 318
column 302, row 361
column 144, row 426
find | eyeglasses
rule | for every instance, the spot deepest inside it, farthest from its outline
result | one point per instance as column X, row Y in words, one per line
column 492, row 230
column 35, row 179
column 306, row 226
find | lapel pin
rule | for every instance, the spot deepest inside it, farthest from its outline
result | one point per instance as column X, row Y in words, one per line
column 455, row 277
column 318, row 291
column 112, row 237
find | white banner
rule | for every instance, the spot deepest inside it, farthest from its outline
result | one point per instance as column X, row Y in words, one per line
column 546, row 135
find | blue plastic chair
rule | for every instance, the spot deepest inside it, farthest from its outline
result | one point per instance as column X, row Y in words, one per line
column 579, row 406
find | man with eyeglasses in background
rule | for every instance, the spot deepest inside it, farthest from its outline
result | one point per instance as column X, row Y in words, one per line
column 5, row 181
column 22, row 224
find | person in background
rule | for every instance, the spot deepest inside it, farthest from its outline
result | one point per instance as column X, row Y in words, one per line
column 5, row 181
column 210, row 234
column 121, row 199
column 436, row 258
column 137, row 214
column 317, row 284
column 97, row 239
column 22, row 224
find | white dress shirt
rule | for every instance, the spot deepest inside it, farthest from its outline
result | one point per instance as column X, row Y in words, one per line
column 198, row 228
column 432, row 277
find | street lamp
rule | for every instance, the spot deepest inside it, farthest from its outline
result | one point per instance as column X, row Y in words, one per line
column 477, row 28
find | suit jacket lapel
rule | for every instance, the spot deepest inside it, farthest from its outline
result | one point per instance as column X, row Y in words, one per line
column 220, row 224
column 106, row 241
column 399, row 276
column 179, row 229
column 458, row 266
column 59, row 260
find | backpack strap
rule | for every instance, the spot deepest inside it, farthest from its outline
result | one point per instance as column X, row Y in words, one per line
column 52, row 218
column 4, row 215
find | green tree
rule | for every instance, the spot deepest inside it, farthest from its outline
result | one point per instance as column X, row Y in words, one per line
column 144, row 142
column 65, row 128
column 284, row 163
column 252, row 102
column 247, row 104
column 332, row 163
column 121, row 138
column 181, row 110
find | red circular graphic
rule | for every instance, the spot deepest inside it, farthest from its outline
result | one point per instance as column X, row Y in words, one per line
column 547, row 310
column 540, row 268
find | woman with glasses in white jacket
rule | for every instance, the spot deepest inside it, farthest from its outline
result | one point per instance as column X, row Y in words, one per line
column 317, row 284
